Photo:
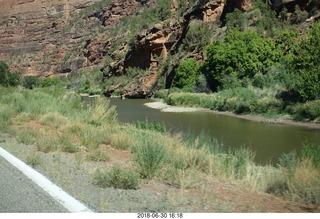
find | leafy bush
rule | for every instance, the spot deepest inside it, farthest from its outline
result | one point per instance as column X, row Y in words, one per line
column 305, row 64
column 117, row 178
column 47, row 82
column 197, row 37
column 186, row 75
column 311, row 151
column 30, row 82
column 241, row 54
column 8, row 78
column 309, row 110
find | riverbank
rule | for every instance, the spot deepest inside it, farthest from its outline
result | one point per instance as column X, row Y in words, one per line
column 283, row 120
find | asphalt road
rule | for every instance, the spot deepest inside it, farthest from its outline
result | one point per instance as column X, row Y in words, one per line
column 18, row 194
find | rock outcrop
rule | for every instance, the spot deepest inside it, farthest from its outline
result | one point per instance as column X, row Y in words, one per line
column 35, row 35
column 61, row 37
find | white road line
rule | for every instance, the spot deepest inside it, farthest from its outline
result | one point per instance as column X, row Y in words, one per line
column 67, row 201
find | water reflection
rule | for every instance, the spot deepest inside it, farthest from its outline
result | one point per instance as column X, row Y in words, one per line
column 269, row 141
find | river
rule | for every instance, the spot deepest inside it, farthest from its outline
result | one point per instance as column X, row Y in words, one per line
column 268, row 141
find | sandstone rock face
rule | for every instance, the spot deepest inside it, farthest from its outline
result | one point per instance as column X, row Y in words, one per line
column 150, row 48
column 212, row 11
column 35, row 39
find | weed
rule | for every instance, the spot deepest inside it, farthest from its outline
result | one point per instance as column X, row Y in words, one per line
column 149, row 156
column 101, row 112
column 122, row 141
column 54, row 120
column 27, row 136
column 98, row 155
column 66, row 145
column 34, row 160
column 117, row 178
column 153, row 126
column 46, row 144
column 312, row 152
column 6, row 114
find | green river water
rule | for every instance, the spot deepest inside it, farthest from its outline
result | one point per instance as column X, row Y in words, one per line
column 268, row 141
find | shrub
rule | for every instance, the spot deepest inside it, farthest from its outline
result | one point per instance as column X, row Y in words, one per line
column 65, row 144
column 312, row 152
column 6, row 113
column 117, row 178
column 305, row 64
column 149, row 156
column 242, row 54
column 197, row 37
column 309, row 110
column 30, row 82
column 122, row 142
column 304, row 186
column 101, row 112
column 8, row 78
column 47, row 82
column 186, row 75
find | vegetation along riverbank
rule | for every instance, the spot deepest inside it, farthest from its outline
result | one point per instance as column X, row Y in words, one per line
column 50, row 124
column 256, row 58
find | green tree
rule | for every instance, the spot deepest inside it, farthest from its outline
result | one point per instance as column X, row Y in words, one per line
column 242, row 55
column 305, row 64
column 186, row 75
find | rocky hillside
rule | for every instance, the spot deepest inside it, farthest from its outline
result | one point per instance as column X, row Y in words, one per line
column 131, row 38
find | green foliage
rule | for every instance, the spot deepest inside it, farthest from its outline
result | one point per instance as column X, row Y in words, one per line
column 133, row 72
column 8, row 78
column 30, row 82
column 196, row 38
column 311, row 151
column 6, row 113
column 98, row 155
column 241, row 54
column 34, row 160
column 88, row 81
column 149, row 156
column 305, row 65
column 238, row 100
column 117, row 178
column 290, row 161
column 27, row 136
column 268, row 24
column 204, row 141
column 236, row 19
column 154, row 126
column 309, row 110
column 186, row 75
column 52, row 81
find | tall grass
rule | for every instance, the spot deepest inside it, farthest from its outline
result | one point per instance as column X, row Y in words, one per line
column 149, row 156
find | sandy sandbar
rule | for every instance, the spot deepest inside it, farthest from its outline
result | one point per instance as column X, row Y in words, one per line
column 285, row 121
